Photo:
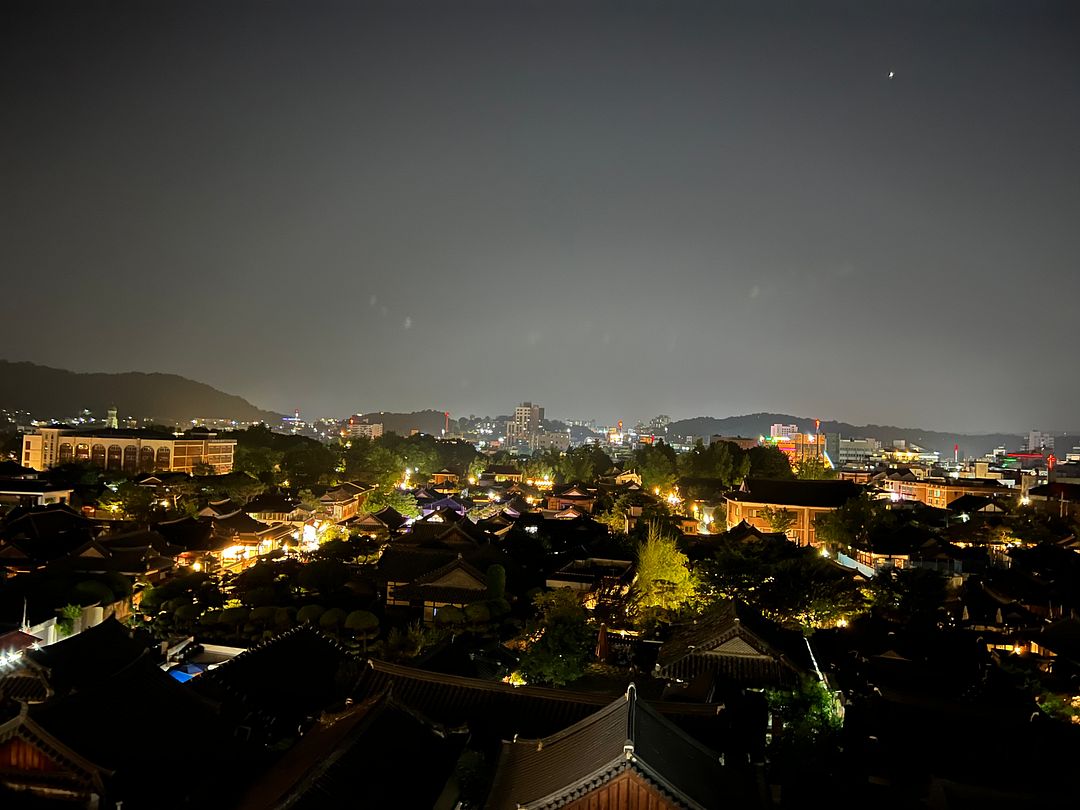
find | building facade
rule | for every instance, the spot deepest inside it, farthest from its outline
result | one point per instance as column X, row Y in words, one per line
column 130, row 451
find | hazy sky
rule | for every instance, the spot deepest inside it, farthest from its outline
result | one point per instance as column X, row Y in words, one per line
column 614, row 209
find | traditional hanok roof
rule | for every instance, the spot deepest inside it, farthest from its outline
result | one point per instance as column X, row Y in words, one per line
column 817, row 494
column 734, row 643
column 442, row 515
column 400, row 563
column 219, row 508
column 358, row 752
column 447, row 504
column 969, row 503
column 87, row 658
column 497, row 711
column 457, row 582
column 187, row 533
column 279, row 683
column 270, row 502
column 387, row 518
column 573, row 492
column 626, row 735
column 237, row 522
column 39, row 529
column 64, row 768
column 107, row 724
column 743, row 531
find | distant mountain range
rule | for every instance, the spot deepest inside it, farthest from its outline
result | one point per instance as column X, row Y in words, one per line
column 53, row 393
column 757, row 424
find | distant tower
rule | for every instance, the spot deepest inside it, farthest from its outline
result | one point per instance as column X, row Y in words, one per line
column 111, row 420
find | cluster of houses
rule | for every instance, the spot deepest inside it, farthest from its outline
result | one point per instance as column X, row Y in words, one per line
column 688, row 724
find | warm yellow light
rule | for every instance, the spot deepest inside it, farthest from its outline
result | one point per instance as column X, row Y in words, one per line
column 196, row 566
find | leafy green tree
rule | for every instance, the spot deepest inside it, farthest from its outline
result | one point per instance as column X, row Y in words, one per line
column 656, row 464
column 725, row 462
column 583, row 463
column 332, row 619
column 779, row 520
column 664, row 580
column 324, row 576
column 310, row 614
column 813, row 469
column 362, row 625
column 562, row 644
column 371, row 462
column 913, row 596
column 790, row 585
column 808, row 592
column 263, row 463
column 769, row 461
column 854, row 524
column 805, row 752
column 403, row 502
column 309, row 463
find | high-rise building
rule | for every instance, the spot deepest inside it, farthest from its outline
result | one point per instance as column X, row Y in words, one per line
column 1039, row 441
column 779, row 431
column 363, row 427
column 525, row 425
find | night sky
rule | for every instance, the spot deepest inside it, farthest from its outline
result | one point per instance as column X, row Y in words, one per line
column 615, row 210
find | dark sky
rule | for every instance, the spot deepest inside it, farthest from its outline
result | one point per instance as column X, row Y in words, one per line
column 613, row 209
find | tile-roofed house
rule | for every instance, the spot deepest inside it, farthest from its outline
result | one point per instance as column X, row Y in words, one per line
column 454, row 584
column 806, row 500
column 359, row 753
column 496, row 711
column 218, row 508
column 576, row 496
column 34, row 762
column 386, row 521
column 500, row 473
column 87, row 658
column 737, row 645
column 626, row 755
column 274, row 507
column 273, row 688
column 140, row 728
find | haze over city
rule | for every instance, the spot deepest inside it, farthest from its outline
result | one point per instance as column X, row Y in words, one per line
column 856, row 211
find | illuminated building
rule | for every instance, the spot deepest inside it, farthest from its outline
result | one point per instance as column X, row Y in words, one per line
column 525, row 426
column 362, row 427
column 805, row 500
column 130, row 451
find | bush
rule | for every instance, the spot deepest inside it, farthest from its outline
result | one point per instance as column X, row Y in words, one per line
column 498, row 608
column 211, row 617
column 263, row 615
column 310, row 614
column 187, row 614
column 449, row 616
column 477, row 613
column 235, row 616
column 361, row 622
column 150, row 600
column 259, row 597
column 284, row 618
column 332, row 619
